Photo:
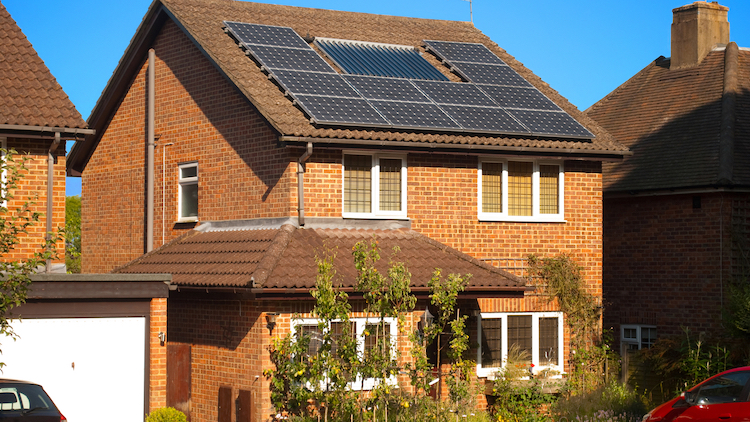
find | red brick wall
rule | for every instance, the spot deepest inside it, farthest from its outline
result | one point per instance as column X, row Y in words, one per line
column 242, row 172
column 665, row 261
column 157, row 355
column 33, row 188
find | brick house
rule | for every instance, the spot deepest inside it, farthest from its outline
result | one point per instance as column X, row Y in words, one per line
column 676, row 212
column 272, row 147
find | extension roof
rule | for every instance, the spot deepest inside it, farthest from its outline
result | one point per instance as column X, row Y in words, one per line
column 31, row 100
column 203, row 22
column 688, row 128
column 283, row 259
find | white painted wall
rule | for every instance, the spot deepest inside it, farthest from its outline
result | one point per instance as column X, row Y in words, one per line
column 93, row 368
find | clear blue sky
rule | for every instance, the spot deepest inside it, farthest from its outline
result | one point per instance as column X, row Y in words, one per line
column 584, row 48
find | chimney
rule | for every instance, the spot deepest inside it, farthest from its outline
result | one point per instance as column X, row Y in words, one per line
column 696, row 29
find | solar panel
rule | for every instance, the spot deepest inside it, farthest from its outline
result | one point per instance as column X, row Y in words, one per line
column 455, row 93
column 290, row 58
column 415, row 115
column 463, row 52
column 277, row 36
column 340, row 111
column 374, row 59
column 485, row 119
column 491, row 74
column 314, row 83
column 379, row 88
column 517, row 97
column 551, row 123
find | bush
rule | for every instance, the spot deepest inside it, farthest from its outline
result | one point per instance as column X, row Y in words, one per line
column 613, row 401
column 166, row 414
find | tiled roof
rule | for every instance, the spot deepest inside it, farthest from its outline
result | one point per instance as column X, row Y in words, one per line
column 29, row 94
column 672, row 122
column 285, row 258
column 203, row 21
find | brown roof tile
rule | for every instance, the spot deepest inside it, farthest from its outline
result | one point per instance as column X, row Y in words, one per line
column 671, row 121
column 285, row 258
column 29, row 94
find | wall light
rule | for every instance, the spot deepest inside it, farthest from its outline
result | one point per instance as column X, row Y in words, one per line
column 162, row 338
column 271, row 321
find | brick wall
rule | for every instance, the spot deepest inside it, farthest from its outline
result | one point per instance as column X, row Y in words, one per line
column 33, row 188
column 242, row 172
column 157, row 355
column 665, row 261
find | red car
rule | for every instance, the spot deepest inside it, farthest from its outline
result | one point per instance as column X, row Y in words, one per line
column 723, row 397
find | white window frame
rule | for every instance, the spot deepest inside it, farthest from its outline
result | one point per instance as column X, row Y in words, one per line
column 535, row 358
column 4, row 173
column 638, row 335
column 536, row 215
column 184, row 181
column 375, row 187
column 360, row 325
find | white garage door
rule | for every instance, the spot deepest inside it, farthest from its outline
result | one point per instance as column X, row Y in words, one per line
column 89, row 366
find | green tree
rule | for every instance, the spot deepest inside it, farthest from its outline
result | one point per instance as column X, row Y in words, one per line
column 73, row 233
column 16, row 221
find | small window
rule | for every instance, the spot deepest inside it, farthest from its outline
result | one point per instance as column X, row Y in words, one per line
column 188, row 194
column 516, row 190
column 538, row 334
column 374, row 186
column 637, row 337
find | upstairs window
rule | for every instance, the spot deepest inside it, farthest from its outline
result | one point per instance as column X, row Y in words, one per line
column 188, row 192
column 374, row 186
column 538, row 335
column 520, row 190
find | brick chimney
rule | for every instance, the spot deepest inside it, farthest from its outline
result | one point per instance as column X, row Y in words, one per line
column 696, row 29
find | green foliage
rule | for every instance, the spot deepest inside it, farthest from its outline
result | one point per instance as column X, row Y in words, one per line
column 73, row 234
column 15, row 223
column 611, row 401
column 588, row 349
column 166, row 414
column 515, row 397
column 738, row 309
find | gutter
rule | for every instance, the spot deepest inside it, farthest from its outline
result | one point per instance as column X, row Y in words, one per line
column 44, row 131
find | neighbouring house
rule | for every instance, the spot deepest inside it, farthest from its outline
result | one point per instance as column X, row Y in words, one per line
column 86, row 337
column 236, row 142
column 677, row 212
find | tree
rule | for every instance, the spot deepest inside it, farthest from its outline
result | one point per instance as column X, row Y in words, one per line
column 16, row 221
column 73, row 234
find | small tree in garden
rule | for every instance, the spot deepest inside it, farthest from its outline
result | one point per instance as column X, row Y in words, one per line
column 15, row 224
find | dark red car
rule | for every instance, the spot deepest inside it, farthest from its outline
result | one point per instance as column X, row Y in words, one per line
column 22, row 401
column 723, row 397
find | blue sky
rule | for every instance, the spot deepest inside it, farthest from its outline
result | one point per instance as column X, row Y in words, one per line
column 583, row 49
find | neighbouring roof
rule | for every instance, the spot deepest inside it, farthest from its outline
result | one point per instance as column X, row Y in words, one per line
column 687, row 128
column 203, row 21
column 29, row 94
column 267, row 259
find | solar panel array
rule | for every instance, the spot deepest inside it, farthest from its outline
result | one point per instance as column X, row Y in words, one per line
column 496, row 99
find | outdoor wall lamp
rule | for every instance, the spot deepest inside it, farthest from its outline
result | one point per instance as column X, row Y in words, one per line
column 425, row 321
column 162, row 338
column 271, row 321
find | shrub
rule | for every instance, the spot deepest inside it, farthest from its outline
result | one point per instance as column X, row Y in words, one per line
column 166, row 414
column 613, row 401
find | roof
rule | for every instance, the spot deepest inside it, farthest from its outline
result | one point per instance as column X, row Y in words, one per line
column 285, row 258
column 687, row 128
column 29, row 94
column 203, row 22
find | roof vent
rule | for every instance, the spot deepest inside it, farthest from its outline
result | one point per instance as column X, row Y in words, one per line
column 696, row 29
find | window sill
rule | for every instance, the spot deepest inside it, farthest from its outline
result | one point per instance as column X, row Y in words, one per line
column 373, row 216
column 187, row 220
column 507, row 219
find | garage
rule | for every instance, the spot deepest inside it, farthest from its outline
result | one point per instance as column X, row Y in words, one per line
column 86, row 339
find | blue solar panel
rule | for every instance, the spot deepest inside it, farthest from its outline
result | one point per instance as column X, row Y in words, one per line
column 290, row 58
column 455, row 93
column 372, row 59
column 516, row 97
column 277, row 36
column 415, row 115
column 314, row 83
column 463, row 52
column 485, row 119
column 491, row 74
column 340, row 111
column 551, row 123
column 379, row 88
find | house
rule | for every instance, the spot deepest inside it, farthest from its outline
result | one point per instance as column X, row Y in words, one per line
column 74, row 331
column 270, row 144
column 676, row 225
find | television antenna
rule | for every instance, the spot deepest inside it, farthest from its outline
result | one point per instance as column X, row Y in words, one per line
column 471, row 11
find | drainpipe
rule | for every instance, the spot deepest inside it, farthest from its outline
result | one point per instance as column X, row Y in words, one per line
column 301, row 182
column 50, row 181
column 150, row 156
